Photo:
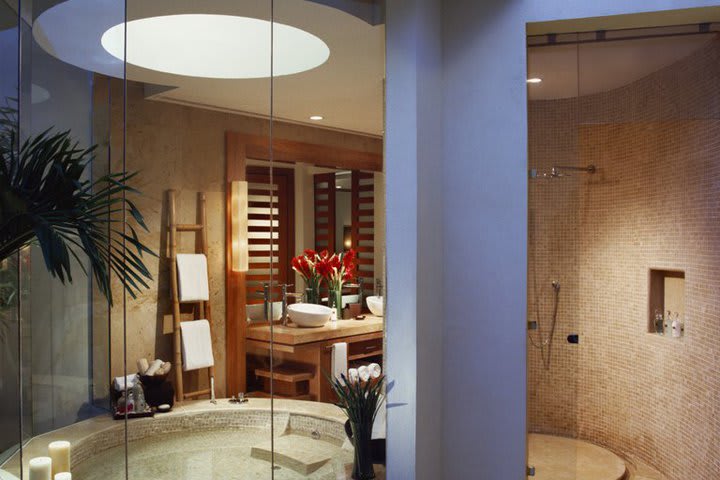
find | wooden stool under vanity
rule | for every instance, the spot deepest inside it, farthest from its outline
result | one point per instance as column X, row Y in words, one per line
column 302, row 356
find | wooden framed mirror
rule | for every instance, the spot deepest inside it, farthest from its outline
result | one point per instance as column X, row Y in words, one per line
column 296, row 164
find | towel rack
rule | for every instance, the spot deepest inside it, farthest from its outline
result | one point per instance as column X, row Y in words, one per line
column 202, row 307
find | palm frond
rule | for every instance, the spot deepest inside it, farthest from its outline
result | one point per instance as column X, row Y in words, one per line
column 45, row 196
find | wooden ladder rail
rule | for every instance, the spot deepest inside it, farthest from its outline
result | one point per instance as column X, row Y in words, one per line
column 203, row 307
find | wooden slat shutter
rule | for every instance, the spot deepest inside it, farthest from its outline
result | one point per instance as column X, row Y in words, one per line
column 363, row 226
column 325, row 211
column 259, row 231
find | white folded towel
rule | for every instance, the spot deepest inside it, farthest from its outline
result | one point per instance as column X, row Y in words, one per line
column 192, row 277
column 375, row 370
column 119, row 382
column 196, row 345
column 339, row 360
column 364, row 373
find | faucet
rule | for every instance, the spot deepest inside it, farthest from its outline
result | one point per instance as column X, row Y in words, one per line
column 359, row 286
column 265, row 295
column 379, row 287
column 285, row 295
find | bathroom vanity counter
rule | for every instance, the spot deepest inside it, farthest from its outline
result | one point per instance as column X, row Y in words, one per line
column 304, row 355
column 293, row 335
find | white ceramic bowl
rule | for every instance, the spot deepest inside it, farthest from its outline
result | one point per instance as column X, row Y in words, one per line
column 375, row 304
column 309, row 314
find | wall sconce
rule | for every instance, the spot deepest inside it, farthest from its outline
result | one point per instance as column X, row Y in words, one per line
column 239, row 223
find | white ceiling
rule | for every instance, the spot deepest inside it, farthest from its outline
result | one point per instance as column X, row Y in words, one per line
column 572, row 70
column 347, row 90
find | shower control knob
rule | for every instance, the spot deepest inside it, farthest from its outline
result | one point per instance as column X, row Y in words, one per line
column 573, row 338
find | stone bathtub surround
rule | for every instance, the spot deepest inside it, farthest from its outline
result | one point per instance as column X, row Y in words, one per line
column 98, row 434
column 653, row 203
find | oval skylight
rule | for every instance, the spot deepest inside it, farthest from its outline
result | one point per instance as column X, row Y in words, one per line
column 215, row 46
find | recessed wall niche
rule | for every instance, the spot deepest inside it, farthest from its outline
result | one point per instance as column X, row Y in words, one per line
column 667, row 294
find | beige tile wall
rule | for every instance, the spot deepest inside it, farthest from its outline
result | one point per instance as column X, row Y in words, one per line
column 654, row 203
column 183, row 148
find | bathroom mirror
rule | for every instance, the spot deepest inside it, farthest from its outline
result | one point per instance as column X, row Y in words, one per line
column 314, row 208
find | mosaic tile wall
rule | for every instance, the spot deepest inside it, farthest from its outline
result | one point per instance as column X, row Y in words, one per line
column 653, row 203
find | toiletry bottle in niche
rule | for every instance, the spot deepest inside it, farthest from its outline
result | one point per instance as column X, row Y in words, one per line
column 676, row 326
column 659, row 321
column 668, row 320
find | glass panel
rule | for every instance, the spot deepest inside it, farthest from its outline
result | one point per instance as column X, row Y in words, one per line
column 64, row 323
column 555, row 196
column 198, row 102
column 327, row 143
column 10, row 360
column 648, row 124
column 629, row 231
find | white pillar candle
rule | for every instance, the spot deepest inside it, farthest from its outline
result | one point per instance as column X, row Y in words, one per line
column 60, row 454
column 40, row 468
column 63, row 476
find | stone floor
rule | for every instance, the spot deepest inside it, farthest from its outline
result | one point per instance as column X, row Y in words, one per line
column 560, row 458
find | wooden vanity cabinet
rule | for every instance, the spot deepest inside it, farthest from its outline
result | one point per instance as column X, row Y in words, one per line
column 303, row 356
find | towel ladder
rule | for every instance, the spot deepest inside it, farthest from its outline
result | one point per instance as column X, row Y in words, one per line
column 203, row 307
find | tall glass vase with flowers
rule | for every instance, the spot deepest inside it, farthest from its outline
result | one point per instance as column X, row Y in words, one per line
column 360, row 396
column 336, row 269
column 306, row 265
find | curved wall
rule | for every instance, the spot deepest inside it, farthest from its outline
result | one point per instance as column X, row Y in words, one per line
column 653, row 203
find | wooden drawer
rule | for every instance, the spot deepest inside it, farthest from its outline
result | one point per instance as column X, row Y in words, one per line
column 365, row 349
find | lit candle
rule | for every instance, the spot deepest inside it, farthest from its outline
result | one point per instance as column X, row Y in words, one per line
column 40, row 468
column 60, row 454
column 63, row 476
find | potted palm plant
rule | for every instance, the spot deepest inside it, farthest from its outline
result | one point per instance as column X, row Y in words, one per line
column 46, row 199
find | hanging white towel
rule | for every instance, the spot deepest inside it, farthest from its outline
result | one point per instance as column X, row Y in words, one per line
column 196, row 345
column 339, row 359
column 192, row 277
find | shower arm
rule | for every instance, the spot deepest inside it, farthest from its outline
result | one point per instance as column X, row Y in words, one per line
column 588, row 169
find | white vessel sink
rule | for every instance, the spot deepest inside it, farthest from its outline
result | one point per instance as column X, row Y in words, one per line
column 375, row 304
column 309, row 314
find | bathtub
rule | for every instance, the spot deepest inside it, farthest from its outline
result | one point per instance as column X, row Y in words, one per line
column 201, row 441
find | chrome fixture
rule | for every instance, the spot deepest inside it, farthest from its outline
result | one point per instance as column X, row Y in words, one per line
column 559, row 171
column 265, row 295
column 545, row 343
column 240, row 399
column 359, row 286
column 285, row 295
column 378, row 287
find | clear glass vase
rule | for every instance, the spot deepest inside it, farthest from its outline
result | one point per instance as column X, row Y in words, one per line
column 335, row 301
column 312, row 294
